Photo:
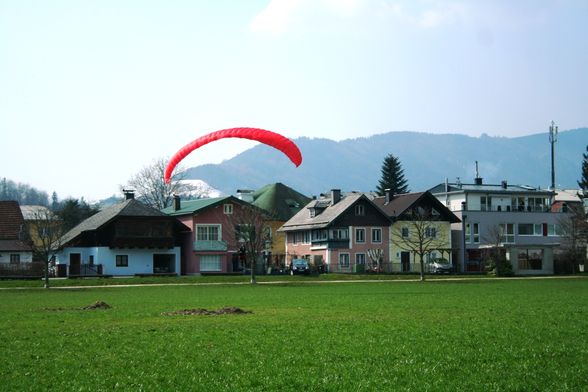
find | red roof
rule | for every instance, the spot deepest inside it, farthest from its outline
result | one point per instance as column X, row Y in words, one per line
column 11, row 220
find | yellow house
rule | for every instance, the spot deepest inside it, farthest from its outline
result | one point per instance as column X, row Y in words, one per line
column 420, row 231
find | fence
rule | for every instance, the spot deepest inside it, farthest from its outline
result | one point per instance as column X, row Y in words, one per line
column 22, row 270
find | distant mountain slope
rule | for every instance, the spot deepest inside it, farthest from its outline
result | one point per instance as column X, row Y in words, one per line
column 355, row 164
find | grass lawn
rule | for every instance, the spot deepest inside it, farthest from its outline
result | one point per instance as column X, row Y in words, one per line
column 438, row 335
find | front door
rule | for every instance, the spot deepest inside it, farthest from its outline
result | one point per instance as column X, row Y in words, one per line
column 164, row 263
column 75, row 260
column 405, row 261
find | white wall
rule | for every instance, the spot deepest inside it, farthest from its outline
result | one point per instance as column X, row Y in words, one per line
column 25, row 257
column 140, row 260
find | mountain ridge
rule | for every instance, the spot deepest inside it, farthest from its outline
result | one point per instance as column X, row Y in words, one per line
column 427, row 159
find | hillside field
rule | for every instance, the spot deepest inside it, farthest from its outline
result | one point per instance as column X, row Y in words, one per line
column 498, row 335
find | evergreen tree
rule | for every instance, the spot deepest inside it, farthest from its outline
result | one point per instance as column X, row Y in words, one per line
column 392, row 177
column 583, row 183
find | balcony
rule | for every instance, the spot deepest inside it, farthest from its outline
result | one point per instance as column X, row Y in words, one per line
column 210, row 245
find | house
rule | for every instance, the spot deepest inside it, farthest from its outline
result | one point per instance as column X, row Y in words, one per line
column 339, row 232
column 281, row 203
column 128, row 238
column 516, row 218
column 213, row 245
column 16, row 252
column 421, row 228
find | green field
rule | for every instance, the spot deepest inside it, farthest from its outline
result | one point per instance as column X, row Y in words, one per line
column 523, row 335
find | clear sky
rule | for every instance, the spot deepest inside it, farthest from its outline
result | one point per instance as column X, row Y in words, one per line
column 91, row 91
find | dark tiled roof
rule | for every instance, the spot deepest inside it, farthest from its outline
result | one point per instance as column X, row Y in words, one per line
column 12, row 228
column 279, row 200
column 398, row 203
column 11, row 220
column 14, row 246
column 402, row 202
column 131, row 207
column 303, row 220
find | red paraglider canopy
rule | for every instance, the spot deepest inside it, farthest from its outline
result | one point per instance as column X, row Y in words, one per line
column 270, row 138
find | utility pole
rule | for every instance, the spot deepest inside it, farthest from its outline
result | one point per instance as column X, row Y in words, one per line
column 552, row 140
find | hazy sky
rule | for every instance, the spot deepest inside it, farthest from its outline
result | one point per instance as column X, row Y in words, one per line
column 91, row 91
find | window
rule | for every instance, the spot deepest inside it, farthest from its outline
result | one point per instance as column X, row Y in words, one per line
column 360, row 210
column 319, row 235
column 404, row 232
column 91, row 260
column 476, row 233
column 14, row 259
column 553, row 230
column 376, row 235
column 210, row 263
column 228, row 208
column 530, row 259
column 207, row 233
column 122, row 260
column 360, row 258
column 306, row 238
column 507, row 232
column 344, row 260
column 294, row 238
column 339, row 234
column 430, row 232
column 359, row 235
column 530, row 229
column 468, row 233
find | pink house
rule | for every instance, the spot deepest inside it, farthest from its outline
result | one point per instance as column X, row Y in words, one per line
column 340, row 233
column 212, row 246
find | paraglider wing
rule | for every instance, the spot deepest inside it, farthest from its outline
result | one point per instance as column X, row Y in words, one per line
column 270, row 138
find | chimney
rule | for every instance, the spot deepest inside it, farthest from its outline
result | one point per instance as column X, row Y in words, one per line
column 335, row 196
column 245, row 195
column 177, row 203
column 504, row 184
column 388, row 195
column 478, row 179
column 129, row 194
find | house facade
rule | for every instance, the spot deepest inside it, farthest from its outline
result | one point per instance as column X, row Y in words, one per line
column 212, row 245
column 339, row 233
column 127, row 238
column 421, row 228
column 518, row 219
column 16, row 252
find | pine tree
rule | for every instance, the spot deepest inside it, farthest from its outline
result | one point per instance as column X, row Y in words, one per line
column 392, row 177
column 583, row 183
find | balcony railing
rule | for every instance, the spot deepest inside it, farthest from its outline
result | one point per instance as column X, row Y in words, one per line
column 218, row 246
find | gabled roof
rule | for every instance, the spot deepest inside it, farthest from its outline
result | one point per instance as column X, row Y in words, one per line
column 304, row 221
column 12, row 228
column 130, row 208
column 399, row 204
column 11, row 220
column 281, row 201
column 34, row 212
column 189, row 207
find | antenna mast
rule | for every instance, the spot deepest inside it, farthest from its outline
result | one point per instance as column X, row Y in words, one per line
column 552, row 140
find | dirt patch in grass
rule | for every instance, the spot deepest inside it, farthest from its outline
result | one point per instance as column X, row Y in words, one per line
column 94, row 306
column 206, row 312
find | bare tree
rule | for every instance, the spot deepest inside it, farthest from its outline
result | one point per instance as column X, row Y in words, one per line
column 151, row 188
column 419, row 233
column 574, row 233
column 46, row 230
column 252, row 234
column 494, row 255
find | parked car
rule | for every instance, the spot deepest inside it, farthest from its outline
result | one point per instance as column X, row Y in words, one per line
column 299, row 266
column 439, row 266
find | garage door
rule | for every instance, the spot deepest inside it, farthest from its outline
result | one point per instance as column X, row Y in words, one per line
column 210, row 263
